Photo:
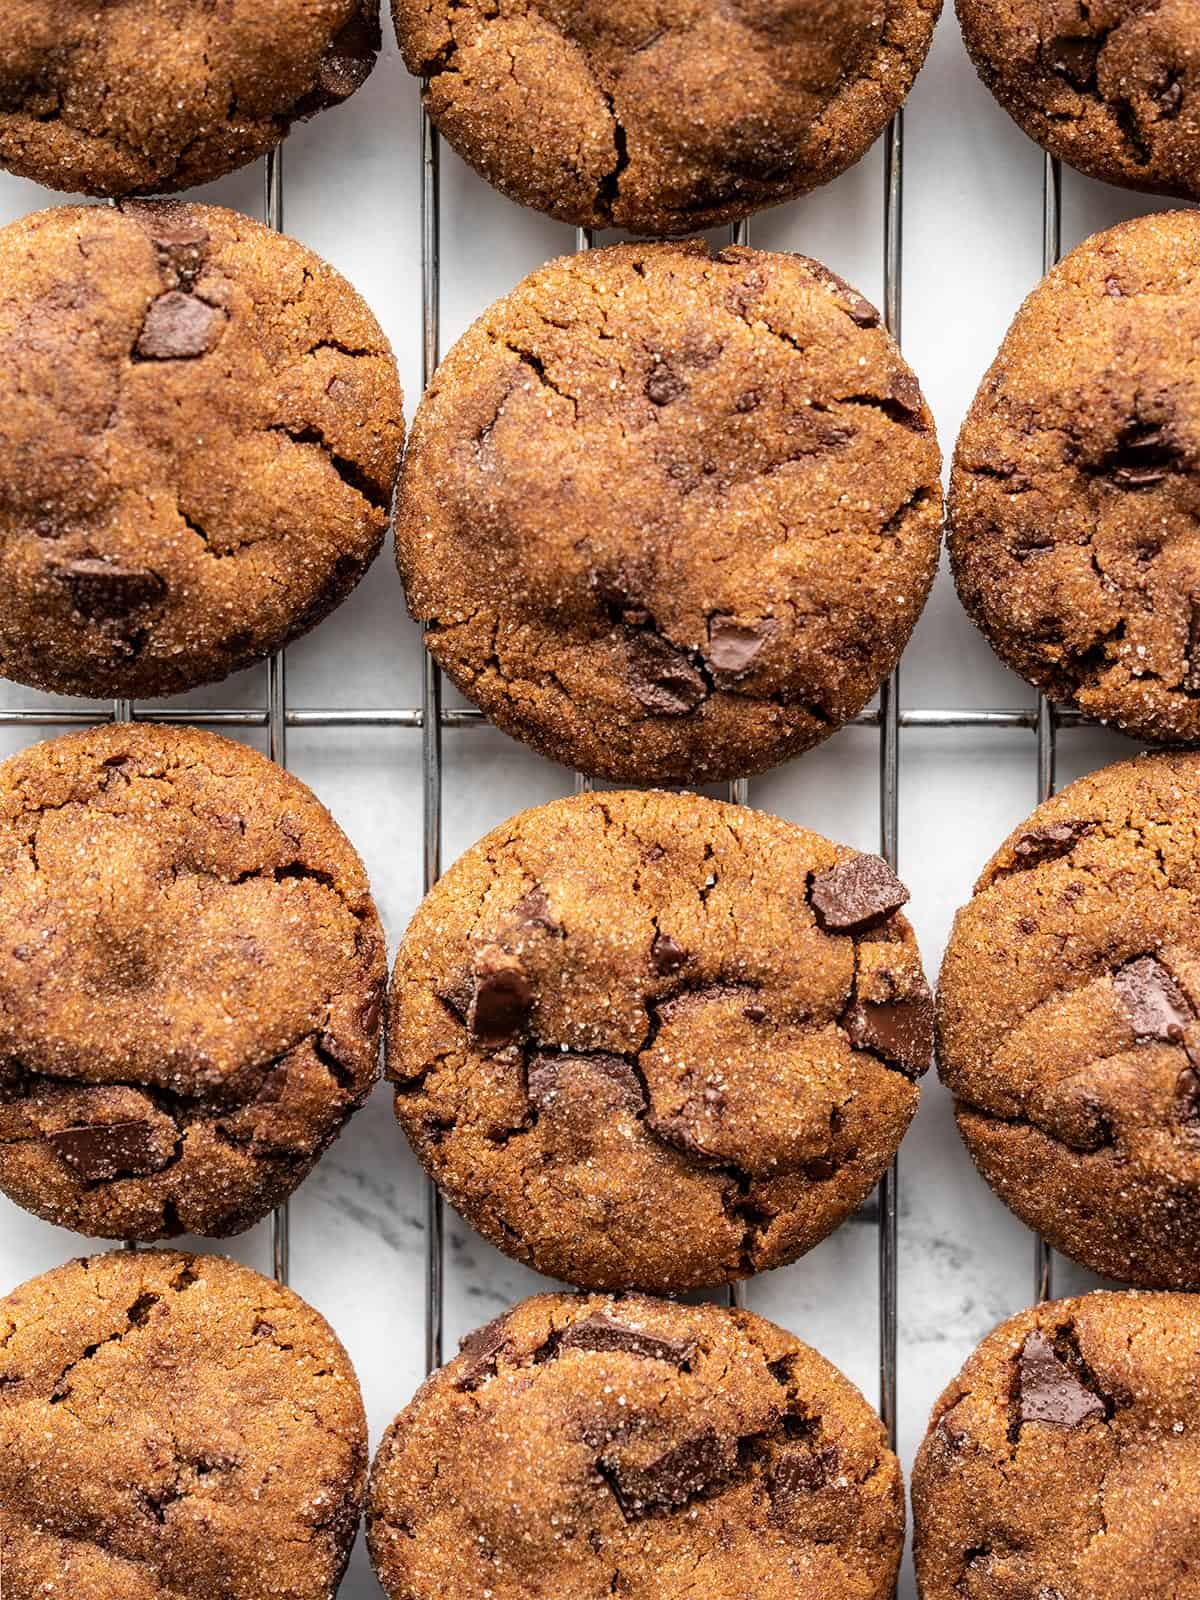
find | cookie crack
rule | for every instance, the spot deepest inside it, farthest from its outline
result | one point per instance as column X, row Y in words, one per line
column 351, row 474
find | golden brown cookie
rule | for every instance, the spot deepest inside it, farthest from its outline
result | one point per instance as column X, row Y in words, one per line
column 1110, row 86
column 587, row 1446
column 1063, row 1462
column 666, row 117
column 1069, row 1021
column 1074, row 497
column 671, row 518
column 656, row 1040
column 150, row 96
column 202, row 428
column 191, row 981
column 174, row 1427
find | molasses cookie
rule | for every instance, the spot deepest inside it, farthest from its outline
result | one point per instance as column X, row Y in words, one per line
column 174, row 1426
column 1074, row 499
column 1069, row 1021
column 669, row 517
column 1110, row 86
column 1063, row 1462
column 202, row 426
column 191, row 977
column 149, row 96
column 632, row 1447
column 655, row 1040
column 667, row 118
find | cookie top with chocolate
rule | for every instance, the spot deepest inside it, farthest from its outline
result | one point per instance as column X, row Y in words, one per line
column 191, row 982
column 671, row 517
column 1112, row 87
column 174, row 1427
column 663, row 118
column 202, row 428
column 152, row 96
column 1069, row 1021
column 1064, row 1460
column 1075, row 496
column 656, row 1040
column 587, row 1446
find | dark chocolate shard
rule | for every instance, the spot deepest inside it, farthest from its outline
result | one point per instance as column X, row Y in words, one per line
column 901, row 1031
column 602, row 1334
column 502, row 1000
column 1048, row 1391
column 178, row 327
column 662, row 678
column 1187, row 1097
column 798, row 1472
column 856, row 894
column 701, row 1464
column 667, row 955
column 1047, row 843
column 351, row 55
column 544, row 1074
column 533, row 911
column 1157, row 1008
column 480, row 1350
column 1075, row 59
column 104, row 1151
column 733, row 647
column 108, row 590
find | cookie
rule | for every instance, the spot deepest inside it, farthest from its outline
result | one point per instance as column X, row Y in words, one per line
column 667, row 118
column 670, row 517
column 151, row 96
column 174, row 1426
column 1063, row 1461
column 1074, row 499
column 657, row 1040
column 1111, row 87
column 1069, row 1021
column 202, row 427
column 586, row 1446
column 191, row 979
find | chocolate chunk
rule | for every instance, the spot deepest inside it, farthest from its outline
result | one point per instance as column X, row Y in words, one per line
column 680, row 1004
column 1075, row 60
column 701, row 1464
column 733, row 647
column 105, row 1151
column 1169, row 98
column 601, row 1333
column 662, row 678
column 1045, row 844
column 1048, row 1389
column 103, row 590
column 178, row 233
column 177, row 328
column 371, row 1011
column 901, row 1031
column 906, row 392
column 663, row 386
column 350, row 57
column 666, row 954
column 1157, row 1009
column 546, row 1068
column 533, row 911
column 480, row 1351
column 857, row 893
column 503, row 997
column 1187, row 1097
column 862, row 312
column 798, row 1472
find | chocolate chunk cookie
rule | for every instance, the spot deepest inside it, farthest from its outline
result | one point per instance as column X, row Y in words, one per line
column 202, row 427
column 1110, row 86
column 632, row 1447
column 191, row 978
column 1069, row 1021
column 670, row 517
column 150, row 96
column 662, row 118
column 174, row 1427
column 1063, row 1462
column 656, row 1040
column 1076, row 489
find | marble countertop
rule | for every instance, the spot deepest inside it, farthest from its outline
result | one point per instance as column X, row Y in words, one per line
column 973, row 241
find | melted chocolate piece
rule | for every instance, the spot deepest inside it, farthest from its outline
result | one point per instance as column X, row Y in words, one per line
column 1157, row 1008
column 601, row 1333
column 105, row 590
column 856, row 894
column 733, row 647
column 667, row 955
column 798, row 1472
column 481, row 1350
column 1045, row 844
column 901, row 1031
column 546, row 1068
column 533, row 911
column 99, row 1153
column 1187, row 1097
column 503, row 998
column 1049, row 1391
column 662, row 678
column 664, row 386
column 178, row 327
column 701, row 1464
column 177, row 232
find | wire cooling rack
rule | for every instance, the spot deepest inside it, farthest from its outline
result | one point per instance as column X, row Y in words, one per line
column 429, row 718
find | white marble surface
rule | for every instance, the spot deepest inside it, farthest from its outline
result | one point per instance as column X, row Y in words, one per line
column 972, row 250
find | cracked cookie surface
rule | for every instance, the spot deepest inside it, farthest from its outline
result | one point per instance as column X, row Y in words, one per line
column 668, row 517
column 1076, row 486
column 174, row 1427
column 664, row 117
column 1110, row 86
column 191, row 982
column 656, row 1040
column 1063, row 1461
column 1069, row 1021
column 587, row 1446
column 153, row 96
column 202, row 427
